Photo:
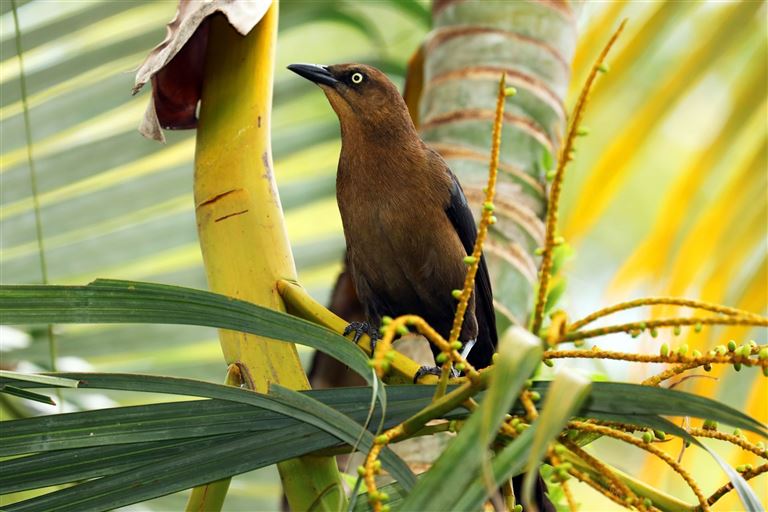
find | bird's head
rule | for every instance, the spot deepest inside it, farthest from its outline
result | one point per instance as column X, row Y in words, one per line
column 362, row 96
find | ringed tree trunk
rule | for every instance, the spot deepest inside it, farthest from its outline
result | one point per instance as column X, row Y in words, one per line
column 471, row 45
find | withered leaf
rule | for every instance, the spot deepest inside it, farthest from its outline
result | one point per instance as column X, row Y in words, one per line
column 176, row 65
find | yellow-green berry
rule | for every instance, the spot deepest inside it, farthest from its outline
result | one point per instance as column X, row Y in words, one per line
column 385, row 508
column 381, row 439
column 441, row 358
column 763, row 354
column 676, row 330
column 558, row 240
column 696, row 353
column 603, row 68
column 664, row 350
column 469, row 260
column 710, row 425
column 572, row 434
column 654, row 332
column 456, row 345
column 402, row 330
column 647, row 437
column 390, row 355
column 660, row 435
column 456, row 294
column 648, row 502
column 517, row 508
column 752, row 343
column 551, row 174
column 721, row 349
column 520, row 427
column 510, row 91
column 746, row 351
column 559, row 449
column 488, row 206
column 698, row 327
column 548, row 362
column 371, row 363
column 386, row 320
column 682, row 350
column 535, row 396
column 377, row 465
column 741, row 468
column 459, row 367
column 361, row 470
column 538, row 251
column 737, row 432
column 385, row 366
column 583, row 131
column 492, row 219
column 383, row 496
column 731, row 346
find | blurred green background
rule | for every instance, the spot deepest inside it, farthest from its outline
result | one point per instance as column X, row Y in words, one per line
column 667, row 196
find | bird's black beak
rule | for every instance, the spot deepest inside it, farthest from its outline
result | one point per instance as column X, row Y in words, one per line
column 314, row 73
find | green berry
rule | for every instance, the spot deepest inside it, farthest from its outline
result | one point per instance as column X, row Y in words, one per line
column 441, row 358
column 559, row 449
column 551, row 174
column 535, row 396
column 386, row 320
column 731, row 346
column 456, row 345
column 488, row 206
column 664, row 350
column 548, row 362
column 469, row 260
column 510, row 91
column 603, row 68
column 682, row 350
column 696, row 353
column 676, row 331
column 517, row 508
column 658, row 434
column 361, row 470
column 381, row 439
column 710, row 425
column 647, row 437
column 654, row 332
column 459, row 367
column 583, row 131
column 492, row 219
column 402, row 330
column 763, row 354
column 698, row 327
column 456, row 294
column 721, row 349
column 648, row 502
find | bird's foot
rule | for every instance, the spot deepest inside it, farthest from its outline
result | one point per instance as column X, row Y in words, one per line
column 431, row 370
column 360, row 328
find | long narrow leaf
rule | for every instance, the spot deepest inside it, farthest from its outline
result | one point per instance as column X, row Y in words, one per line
column 110, row 301
column 443, row 484
column 566, row 394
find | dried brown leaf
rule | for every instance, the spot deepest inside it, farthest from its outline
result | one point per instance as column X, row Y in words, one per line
column 175, row 66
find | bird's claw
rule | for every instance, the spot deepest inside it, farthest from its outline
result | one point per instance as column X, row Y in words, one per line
column 360, row 328
column 431, row 370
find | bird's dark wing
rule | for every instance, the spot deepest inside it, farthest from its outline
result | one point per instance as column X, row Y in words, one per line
column 460, row 215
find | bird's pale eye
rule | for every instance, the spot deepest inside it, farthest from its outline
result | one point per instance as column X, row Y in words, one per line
column 357, row 78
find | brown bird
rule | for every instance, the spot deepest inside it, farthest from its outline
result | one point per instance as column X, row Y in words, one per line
column 406, row 220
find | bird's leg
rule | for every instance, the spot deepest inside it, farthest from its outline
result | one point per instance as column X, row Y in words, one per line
column 431, row 370
column 360, row 328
